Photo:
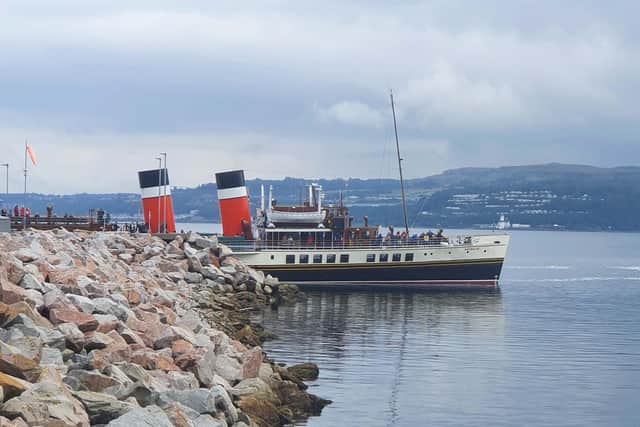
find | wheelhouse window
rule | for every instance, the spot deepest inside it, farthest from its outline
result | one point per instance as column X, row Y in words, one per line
column 408, row 257
column 331, row 258
column 317, row 259
column 344, row 257
column 291, row 259
column 371, row 257
column 384, row 257
column 304, row 259
column 397, row 257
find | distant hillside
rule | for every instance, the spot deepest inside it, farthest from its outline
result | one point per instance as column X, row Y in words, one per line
column 555, row 196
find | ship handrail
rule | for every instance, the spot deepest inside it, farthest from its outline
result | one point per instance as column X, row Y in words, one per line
column 453, row 242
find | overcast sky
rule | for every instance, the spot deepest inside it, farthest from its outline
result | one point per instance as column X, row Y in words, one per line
column 300, row 88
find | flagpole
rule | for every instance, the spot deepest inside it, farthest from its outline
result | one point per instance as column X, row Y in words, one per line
column 24, row 210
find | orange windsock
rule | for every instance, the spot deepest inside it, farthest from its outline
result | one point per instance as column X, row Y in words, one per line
column 32, row 155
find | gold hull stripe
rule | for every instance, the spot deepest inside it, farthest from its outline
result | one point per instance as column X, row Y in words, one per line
column 372, row 265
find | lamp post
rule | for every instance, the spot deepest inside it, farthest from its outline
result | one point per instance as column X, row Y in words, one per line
column 6, row 165
column 164, row 193
column 159, row 159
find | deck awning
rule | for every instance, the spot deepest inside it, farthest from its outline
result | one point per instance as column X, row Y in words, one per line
column 298, row 230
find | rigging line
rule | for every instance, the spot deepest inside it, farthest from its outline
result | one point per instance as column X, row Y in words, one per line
column 404, row 200
column 415, row 217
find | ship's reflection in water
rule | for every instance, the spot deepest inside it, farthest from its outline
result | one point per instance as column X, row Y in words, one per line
column 386, row 356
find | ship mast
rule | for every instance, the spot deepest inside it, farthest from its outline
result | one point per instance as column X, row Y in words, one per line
column 404, row 200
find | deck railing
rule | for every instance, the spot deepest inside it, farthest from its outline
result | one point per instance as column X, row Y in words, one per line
column 257, row 245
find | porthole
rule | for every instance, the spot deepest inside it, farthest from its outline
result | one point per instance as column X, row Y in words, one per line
column 272, row 257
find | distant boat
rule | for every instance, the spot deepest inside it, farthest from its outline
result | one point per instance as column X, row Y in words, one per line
column 503, row 223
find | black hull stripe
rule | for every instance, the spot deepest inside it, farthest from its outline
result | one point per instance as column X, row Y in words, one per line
column 413, row 284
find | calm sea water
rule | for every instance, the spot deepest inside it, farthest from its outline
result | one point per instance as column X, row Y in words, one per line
column 558, row 345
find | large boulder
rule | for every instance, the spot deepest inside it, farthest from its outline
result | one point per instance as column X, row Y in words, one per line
column 151, row 416
column 74, row 338
column 107, row 306
column 47, row 403
column 203, row 401
column 103, row 408
column 30, row 281
column 12, row 386
column 85, row 322
column 305, row 371
column 82, row 303
column 20, row 357
column 90, row 380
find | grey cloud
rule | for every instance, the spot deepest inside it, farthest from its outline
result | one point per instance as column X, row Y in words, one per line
column 294, row 83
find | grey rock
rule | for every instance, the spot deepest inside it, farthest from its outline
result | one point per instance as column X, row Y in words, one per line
column 205, row 367
column 47, row 403
column 228, row 269
column 190, row 321
column 201, row 400
column 103, row 408
column 26, row 255
column 189, row 412
column 251, row 386
column 195, row 265
column 204, row 243
column 151, row 416
column 271, row 281
column 107, row 306
column 74, row 338
column 224, row 250
column 30, row 281
column 193, row 277
column 210, row 272
column 35, row 298
column 206, row 420
column 97, row 341
column 92, row 380
column 55, row 298
column 179, row 380
column 189, row 251
column 49, row 337
column 84, row 304
column 126, row 257
column 224, row 402
column 120, row 299
column 51, row 356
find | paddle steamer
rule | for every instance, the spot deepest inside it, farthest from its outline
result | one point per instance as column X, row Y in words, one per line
column 314, row 244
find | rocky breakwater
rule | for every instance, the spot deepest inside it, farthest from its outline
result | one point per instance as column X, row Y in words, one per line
column 120, row 330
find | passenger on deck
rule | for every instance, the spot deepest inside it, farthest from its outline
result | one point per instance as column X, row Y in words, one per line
column 429, row 236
